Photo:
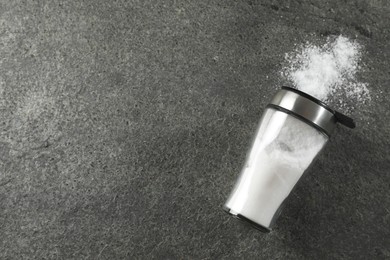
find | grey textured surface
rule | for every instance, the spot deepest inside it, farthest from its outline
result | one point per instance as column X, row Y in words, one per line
column 124, row 125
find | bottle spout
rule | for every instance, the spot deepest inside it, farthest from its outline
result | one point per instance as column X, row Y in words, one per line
column 344, row 120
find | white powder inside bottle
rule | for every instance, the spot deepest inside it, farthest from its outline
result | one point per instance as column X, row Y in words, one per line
column 328, row 72
column 283, row 149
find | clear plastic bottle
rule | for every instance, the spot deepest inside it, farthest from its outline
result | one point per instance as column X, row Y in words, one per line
column 293, row 130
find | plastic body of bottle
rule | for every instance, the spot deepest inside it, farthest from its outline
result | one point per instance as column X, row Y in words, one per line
column 283, row 148
column 292, row 131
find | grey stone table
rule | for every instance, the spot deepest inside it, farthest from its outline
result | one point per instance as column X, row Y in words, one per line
column 124, row 124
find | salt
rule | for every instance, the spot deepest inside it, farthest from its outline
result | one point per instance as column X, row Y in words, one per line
column 328, row 72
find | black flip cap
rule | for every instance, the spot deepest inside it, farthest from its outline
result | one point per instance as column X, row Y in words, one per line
column 344, row 120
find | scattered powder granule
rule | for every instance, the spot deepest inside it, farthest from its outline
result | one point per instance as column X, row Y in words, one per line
column 328, row 72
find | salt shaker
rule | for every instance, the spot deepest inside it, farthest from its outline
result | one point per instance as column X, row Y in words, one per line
column 292, row 131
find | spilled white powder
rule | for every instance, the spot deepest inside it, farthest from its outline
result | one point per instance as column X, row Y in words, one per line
column 328, row 72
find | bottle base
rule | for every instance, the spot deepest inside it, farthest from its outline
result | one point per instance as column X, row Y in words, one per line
column 244, row 219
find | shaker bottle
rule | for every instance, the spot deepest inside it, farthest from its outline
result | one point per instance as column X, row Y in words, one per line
column 292, row 131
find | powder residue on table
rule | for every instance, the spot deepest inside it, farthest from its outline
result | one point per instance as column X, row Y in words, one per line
column 328, row 72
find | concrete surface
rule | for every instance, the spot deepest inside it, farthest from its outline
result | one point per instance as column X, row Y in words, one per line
column 124, row 124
